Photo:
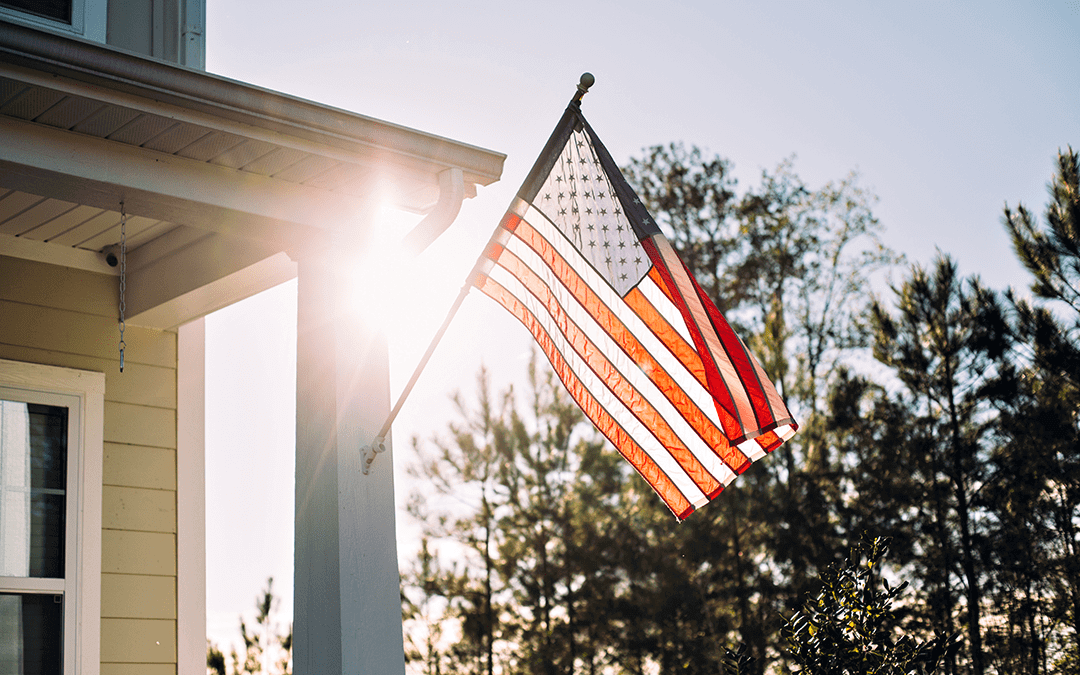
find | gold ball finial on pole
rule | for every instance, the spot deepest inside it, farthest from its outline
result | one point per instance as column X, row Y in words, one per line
column 587, row 80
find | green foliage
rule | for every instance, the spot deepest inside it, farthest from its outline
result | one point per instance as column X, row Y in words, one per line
column 849, row 628
column 215, row 659
column 267, row 650
column 1052, row 254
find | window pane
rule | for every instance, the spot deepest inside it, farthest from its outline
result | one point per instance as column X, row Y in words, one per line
column 60, row 10
column 31, row 634
column 33, row 499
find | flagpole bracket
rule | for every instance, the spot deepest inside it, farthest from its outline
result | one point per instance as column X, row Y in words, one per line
column 368, row 453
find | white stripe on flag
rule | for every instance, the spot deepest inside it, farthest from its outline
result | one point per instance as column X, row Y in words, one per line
column 611, row 403
column 665, row 307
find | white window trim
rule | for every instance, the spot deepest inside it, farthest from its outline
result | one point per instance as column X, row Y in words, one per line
column 89, row 388
column 89, row 19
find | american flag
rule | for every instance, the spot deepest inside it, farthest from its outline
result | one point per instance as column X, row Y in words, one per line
column 638, row 344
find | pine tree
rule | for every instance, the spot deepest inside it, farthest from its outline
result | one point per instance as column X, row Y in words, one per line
column 943, row 347
column 1037, row 541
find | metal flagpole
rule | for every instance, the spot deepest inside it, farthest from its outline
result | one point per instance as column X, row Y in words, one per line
column 368, row 452
column 378, row 444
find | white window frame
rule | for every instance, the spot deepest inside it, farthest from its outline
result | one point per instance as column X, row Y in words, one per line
column 89, row 19
column 83, row 393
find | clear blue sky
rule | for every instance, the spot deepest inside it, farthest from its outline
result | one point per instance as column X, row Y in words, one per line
column 947, row 111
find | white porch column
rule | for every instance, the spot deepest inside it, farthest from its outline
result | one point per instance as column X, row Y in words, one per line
column 347, row 590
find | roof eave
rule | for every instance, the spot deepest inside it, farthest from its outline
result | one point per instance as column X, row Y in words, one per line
column 102, row 65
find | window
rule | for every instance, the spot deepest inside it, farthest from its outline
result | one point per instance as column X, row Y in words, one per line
column 57, row 10
column 84, row 18
column 50, row 531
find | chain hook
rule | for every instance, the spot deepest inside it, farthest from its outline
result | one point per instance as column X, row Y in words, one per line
column 123, row 278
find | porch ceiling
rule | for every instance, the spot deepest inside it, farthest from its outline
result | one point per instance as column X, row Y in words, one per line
column 197, row 159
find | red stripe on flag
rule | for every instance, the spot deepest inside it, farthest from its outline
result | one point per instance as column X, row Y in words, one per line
column 681, row 350
column 769, row 441
column 510, row 221
column 661, row 282
column 623, row 442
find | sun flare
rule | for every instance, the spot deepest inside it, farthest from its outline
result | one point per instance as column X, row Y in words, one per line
column 405, row 296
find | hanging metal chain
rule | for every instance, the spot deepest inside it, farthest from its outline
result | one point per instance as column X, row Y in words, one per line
column 123, row 278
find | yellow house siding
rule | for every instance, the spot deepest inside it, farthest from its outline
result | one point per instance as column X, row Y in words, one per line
column 124, row 508
column 138, row 641
column 139, row 383
column 86, row 334
column 138, row 669
column 139, row 466
column 136, row 596
column 139, row 425
column 124, row 552
column 66, row 317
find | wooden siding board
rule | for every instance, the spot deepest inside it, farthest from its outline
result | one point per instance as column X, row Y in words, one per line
column 9, row 89
column 242, row 154
column 209, row 146
column 275, row 161
column 141, row 129
column 176, row 138
column 69, row 112
column 105, row 121
column 133, row 596
column 140, row 425
column 86, row 334
column 138, row 641
column 31, row 102
column 139, row 383
column 124, row 552
column 149, row 234
column 125, row 508
column 137, row 466
column 134, row 227
column 138, row 669
column 59, row 287
column 308, row 167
